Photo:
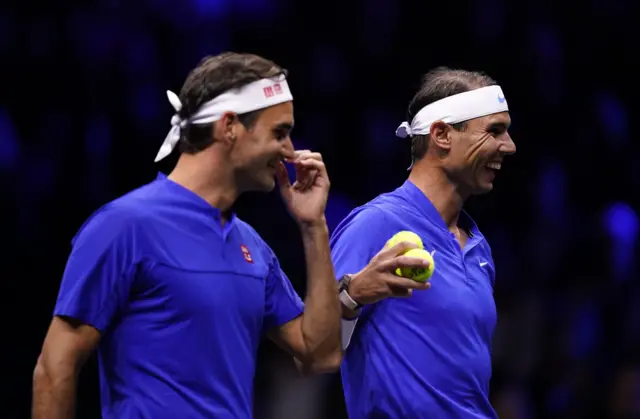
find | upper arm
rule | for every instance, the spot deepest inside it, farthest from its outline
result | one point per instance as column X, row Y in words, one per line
column 357, row 239
column 67, row 345
column 283, row 309
column 100, row 270
column 282, row 303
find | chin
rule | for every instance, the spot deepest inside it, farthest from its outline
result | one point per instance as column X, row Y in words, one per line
column 266, row 184
column 482, row 189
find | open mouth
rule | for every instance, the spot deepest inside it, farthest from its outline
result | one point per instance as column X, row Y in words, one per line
column 494, row 165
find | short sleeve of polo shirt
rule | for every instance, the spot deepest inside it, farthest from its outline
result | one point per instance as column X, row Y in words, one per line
column 282, row 303
column 357, row 239
column 100, row 269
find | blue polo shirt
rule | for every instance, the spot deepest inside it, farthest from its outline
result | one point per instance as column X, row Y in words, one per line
column 181, row 302
column 427, row 356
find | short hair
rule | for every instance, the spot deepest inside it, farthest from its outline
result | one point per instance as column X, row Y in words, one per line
column 437, row 84
column 213, row 76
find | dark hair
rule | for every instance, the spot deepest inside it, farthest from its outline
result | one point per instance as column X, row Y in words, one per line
column 436, row 85
column 212, row 77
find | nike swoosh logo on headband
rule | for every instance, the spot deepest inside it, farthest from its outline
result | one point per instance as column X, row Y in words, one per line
column 501, row 99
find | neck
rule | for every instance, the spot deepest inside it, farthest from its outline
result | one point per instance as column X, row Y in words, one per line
column 206, row 175
column 441, row 191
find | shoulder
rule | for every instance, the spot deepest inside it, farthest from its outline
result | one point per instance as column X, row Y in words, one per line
column 248, row 232
column 122, row 215
column 360, row 218
column 378, row 217
column 366, row 229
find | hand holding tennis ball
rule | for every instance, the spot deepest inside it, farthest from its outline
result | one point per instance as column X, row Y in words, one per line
column 398, row 269
column 419, row 274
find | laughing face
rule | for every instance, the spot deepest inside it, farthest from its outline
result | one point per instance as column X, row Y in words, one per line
column 476, row 153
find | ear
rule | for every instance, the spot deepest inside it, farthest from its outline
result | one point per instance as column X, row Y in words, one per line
column 226, row 129
column 440, row 134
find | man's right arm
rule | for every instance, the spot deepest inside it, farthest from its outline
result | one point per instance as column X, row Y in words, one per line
column 357, row 248
column 95, row 286
column 66, row 348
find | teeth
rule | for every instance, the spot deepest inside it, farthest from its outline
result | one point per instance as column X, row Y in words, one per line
column 495, row 166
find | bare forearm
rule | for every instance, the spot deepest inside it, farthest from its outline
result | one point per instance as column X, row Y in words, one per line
column 53, row 397
column 321, row 320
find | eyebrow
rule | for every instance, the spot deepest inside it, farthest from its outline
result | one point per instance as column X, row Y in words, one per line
column 284, row 126
column 500, row 125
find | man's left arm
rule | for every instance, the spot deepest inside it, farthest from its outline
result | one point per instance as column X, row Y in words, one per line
column 312, row 338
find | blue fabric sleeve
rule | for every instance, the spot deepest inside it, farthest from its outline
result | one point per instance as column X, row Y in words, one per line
column 282, row 303
column 357, row 239
column 99, row 272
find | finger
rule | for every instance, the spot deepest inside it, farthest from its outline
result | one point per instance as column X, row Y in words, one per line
column 308, row 154
column 311, row 164
column 397, row 282
column 305, row 176
column 392, row 264
column 296, row 154
column 397, row 249
column 401, row 292
column 312, row 170
column 310, row 178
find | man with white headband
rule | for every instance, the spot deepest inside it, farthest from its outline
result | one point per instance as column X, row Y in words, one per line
column 428, row 355
column 174, row 287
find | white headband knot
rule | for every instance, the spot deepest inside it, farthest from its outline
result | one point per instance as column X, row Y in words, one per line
column 252, row 97
column 177, row 106
column 404, row 130
column 457, row 108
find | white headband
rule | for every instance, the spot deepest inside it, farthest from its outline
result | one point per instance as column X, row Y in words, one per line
column 257, row 95
column 457, row 108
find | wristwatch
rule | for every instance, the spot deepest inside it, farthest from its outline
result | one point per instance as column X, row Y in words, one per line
column 343, row 291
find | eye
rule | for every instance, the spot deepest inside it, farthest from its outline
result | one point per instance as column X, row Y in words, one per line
column 281, row 134
column 496, row 131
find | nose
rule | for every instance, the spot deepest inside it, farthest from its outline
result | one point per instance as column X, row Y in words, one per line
column 507, row 146
column 288, row 151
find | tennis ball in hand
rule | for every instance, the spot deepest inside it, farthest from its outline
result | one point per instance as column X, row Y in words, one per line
column 418, row 274
column 404, row 236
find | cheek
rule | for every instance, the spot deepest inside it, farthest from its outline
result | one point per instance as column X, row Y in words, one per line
column 252, row 145
column 484, row 146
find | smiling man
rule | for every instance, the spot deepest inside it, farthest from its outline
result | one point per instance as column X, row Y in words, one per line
column 172, row 288
column 428, row 355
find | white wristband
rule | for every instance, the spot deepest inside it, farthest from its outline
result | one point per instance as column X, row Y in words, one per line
column 347, row 301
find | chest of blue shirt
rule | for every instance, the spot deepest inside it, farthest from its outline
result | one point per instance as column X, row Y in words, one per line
column 437, row 339
column 201, row 276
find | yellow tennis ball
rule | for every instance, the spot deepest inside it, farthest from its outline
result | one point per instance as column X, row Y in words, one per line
column 418, row 274
column 404, row 236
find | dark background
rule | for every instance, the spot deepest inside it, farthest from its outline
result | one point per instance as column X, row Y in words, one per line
column 83, row 112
